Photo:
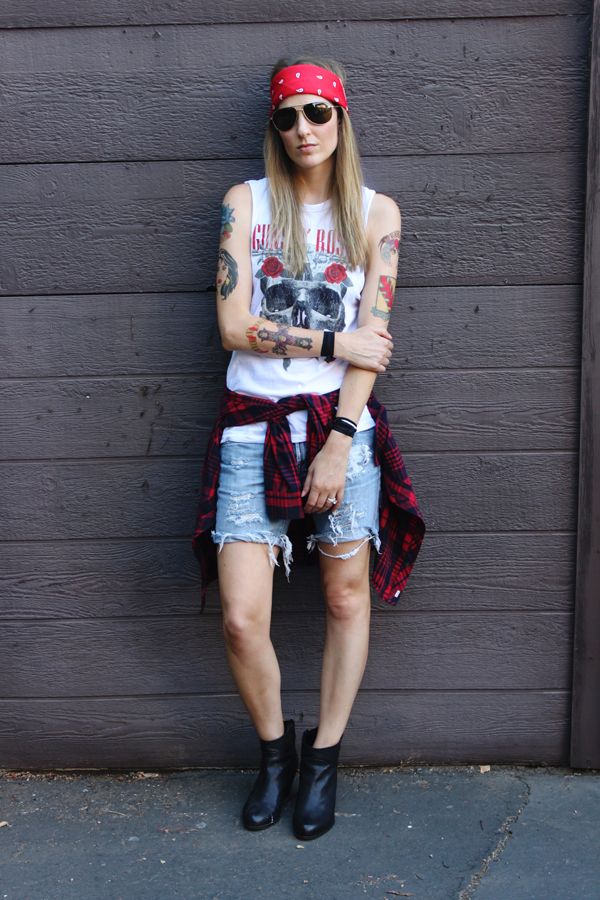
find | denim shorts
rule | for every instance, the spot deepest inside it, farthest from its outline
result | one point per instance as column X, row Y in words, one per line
column 242, row 512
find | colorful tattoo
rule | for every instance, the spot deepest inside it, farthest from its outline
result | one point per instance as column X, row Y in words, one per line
column 227, row 274
column 227, row 218
column 385, row 297
column 281, row 338
column 388, row 246
column 252, row 340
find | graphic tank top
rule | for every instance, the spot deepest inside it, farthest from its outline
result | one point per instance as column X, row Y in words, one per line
column 327, row 296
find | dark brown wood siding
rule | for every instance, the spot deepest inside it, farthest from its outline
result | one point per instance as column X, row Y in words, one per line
column 121, row 132
column 585, row 719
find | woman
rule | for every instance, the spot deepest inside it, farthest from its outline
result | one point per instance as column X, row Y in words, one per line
column 305, row 313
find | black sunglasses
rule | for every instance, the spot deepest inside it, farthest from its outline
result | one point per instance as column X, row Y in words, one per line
column 316, row 112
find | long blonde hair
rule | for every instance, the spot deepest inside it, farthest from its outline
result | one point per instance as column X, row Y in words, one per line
column 345, row 188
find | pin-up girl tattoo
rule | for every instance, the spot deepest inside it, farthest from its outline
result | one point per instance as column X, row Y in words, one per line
column 227, row 274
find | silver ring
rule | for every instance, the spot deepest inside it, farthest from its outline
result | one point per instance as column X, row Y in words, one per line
column 332, row 499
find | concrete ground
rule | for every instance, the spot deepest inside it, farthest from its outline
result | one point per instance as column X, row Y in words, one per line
column 431, row 833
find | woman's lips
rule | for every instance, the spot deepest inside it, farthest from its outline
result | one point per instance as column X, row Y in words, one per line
column 306, row 148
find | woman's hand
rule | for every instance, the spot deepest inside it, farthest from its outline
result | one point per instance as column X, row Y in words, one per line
column 326, row 476
column 368, row 347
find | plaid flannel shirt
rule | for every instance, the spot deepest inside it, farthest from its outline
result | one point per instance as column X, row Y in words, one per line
column 401, row 525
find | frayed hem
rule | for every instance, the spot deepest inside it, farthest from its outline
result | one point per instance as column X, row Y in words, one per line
column 265, row 537
column 313, row 539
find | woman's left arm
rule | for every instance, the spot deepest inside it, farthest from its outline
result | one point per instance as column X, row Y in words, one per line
column 326, row 475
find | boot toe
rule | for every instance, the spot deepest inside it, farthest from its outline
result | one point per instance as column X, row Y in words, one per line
column 307, row 831
column 255, row 819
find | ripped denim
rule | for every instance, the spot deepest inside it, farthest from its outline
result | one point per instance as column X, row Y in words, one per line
column 242, row 513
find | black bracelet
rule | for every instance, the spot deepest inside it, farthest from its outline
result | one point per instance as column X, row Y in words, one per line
column 344, row 426
column 327, row 347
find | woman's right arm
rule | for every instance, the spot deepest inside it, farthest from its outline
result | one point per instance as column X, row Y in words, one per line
column 368, row 347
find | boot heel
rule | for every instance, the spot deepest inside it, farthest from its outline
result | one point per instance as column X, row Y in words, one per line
column 273, row 785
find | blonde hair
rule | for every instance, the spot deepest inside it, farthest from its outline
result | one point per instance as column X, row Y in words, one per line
column 345, row 187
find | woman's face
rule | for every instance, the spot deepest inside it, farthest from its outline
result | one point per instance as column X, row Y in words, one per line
column 306, row 144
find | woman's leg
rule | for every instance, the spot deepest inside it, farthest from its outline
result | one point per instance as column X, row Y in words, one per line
column 346, row 589
column 344, row 537
column 348, row 601
column 246, row 590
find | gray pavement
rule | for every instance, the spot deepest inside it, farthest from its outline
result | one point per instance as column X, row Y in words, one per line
column 431, row 833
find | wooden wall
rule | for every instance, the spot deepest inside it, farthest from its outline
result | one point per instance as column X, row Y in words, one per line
column 121, row 132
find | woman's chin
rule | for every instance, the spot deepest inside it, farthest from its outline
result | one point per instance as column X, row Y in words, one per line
column 310, row 160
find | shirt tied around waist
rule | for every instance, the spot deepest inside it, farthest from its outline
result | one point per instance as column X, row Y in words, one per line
column 402, row 527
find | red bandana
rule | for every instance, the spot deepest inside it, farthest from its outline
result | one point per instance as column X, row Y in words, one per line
column 307, row 79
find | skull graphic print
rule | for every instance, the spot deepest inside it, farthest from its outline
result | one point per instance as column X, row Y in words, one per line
column 313, row 301
column 306, row 304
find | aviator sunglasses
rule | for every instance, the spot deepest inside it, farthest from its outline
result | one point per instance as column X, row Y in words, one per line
column 318, row 112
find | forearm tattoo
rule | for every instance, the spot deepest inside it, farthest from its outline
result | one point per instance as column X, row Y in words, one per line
column 227, row 218
column 280, row 337
column 252, row 339
column 227, row 274
column 388, row 247
column 385, row 297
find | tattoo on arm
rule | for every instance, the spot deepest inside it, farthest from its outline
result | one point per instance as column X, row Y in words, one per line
column 227, row 274
column 385, row 297
column 388, row 247
column 227, row 218
column 280, row 337
column 252, row 339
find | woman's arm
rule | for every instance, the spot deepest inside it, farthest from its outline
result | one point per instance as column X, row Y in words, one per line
column 327, row 474
column 368, row 347
column 377, row 297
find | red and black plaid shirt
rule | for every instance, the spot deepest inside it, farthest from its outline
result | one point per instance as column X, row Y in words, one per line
column 401, row 525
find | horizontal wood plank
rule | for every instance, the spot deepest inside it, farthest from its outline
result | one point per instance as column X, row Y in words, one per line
column 122, row 227
column 470, row 85
column 172, row 416
column 474, row 572
column 410, row 651
column 518, row 491
column 124, row 334
column 406, row 727
column 68, row 13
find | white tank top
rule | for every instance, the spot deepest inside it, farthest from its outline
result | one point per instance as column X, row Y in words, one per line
column 326, row 297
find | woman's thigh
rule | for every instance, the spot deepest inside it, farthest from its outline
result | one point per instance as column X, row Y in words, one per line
column 245, row 574
column 344, row 534
column 248, row 541
column 356, row 519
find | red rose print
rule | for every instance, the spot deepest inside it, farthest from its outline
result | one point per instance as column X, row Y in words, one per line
column 335, row 273
column 272, row 266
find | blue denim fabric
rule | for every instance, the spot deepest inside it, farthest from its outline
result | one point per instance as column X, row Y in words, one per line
column 242, row 513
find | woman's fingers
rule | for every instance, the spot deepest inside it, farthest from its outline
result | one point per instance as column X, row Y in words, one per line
column 307, row 483
column 371, row 347
column 312, row 503
column 319, row 499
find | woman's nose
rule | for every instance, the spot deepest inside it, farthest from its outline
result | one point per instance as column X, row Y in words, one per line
column 302, row 123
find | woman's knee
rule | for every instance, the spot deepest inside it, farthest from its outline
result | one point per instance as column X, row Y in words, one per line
column 245, row 588
column 243, row 625
column 346, row 585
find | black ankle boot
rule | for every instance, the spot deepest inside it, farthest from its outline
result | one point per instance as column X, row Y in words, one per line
column 278, row 767
column 314, row 813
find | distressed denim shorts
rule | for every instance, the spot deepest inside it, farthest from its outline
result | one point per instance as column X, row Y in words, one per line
column 242, row 512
